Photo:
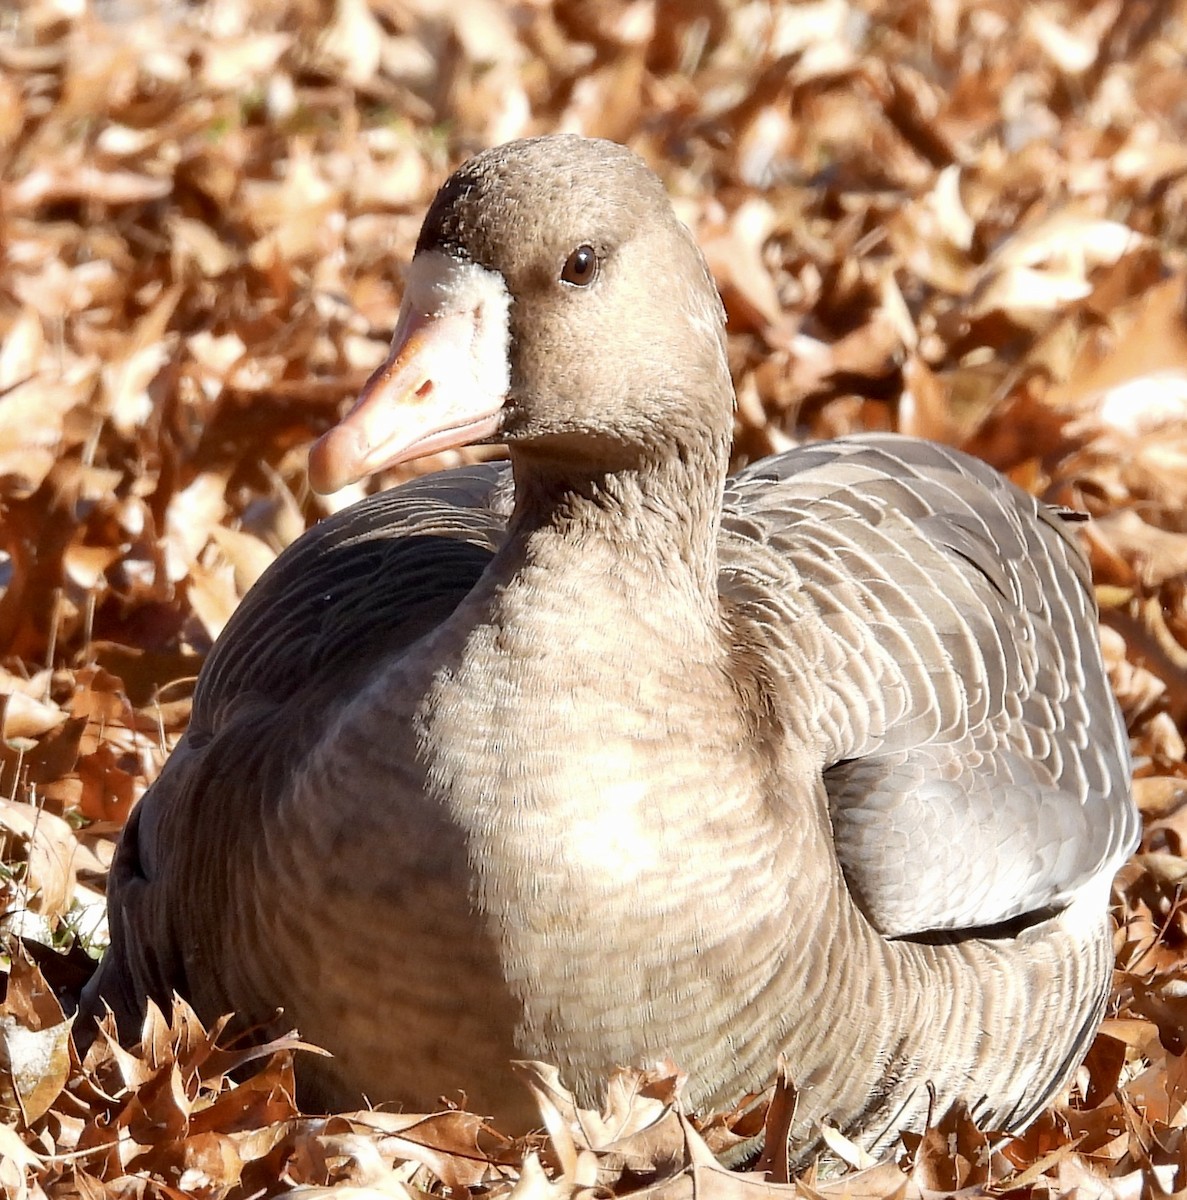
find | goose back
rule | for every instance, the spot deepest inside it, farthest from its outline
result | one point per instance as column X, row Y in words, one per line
column 939, row 626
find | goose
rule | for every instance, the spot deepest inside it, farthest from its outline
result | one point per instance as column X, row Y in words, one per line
column 605, row 756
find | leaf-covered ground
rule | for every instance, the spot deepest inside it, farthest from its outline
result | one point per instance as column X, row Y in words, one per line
column 965, row 219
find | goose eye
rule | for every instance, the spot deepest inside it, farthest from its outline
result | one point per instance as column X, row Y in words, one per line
column 581, row 267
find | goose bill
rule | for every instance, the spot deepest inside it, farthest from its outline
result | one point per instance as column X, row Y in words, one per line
column 442, row 385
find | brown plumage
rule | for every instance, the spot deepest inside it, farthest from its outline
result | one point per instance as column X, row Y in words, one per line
column 605, row 757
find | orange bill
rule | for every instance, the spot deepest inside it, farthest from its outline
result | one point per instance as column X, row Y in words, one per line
column 423, row 398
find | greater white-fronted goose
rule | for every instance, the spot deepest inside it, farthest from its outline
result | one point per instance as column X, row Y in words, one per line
column 606, row 756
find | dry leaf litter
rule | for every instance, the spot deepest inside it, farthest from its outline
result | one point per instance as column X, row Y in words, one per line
column 963, row 219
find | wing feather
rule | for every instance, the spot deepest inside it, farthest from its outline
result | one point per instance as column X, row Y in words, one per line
column 938, row 630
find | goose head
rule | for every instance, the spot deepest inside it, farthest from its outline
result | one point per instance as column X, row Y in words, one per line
column 556, row 304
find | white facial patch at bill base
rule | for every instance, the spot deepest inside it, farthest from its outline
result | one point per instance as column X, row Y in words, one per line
column 443, row 383
column 435, row 286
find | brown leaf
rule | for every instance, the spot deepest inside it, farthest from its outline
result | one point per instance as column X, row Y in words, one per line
column 34, row 1066
column 108, row 790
